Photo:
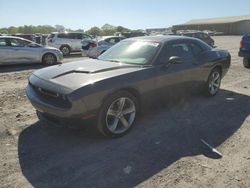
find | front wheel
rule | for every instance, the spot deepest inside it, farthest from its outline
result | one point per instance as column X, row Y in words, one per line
column 213, row 82
column 118, row 114
column 49, row 59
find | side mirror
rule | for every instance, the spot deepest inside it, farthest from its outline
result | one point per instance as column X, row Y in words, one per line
column 175, row 60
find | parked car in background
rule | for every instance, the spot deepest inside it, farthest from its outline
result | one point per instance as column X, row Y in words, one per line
column 199, row 35
column 30, row 37
column 127, row 77
column 93, row 49
column 67, row 42
column 245, row 50
column 14, row 50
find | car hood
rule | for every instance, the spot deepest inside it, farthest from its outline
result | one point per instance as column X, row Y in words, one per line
column 81, row 73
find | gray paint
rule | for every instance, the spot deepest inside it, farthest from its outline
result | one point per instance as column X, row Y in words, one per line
column 86, row 84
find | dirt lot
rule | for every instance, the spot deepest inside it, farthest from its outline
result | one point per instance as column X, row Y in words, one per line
column 163, row 150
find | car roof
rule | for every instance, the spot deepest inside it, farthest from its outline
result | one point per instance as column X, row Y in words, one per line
column 161, row 39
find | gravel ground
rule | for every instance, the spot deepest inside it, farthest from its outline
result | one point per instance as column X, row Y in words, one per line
column 163, row 149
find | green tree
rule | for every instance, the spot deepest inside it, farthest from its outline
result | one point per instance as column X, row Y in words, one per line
column 122, row 29
column 95, row 31
column 12, row 30
column 108, row 32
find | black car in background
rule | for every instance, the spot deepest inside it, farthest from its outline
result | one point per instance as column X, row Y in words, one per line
column 199, row 35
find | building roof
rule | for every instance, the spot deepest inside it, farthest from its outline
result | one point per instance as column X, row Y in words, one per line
column 221, row 20
column 160, row 39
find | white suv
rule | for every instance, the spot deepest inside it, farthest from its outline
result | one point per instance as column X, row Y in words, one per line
column 67, row 42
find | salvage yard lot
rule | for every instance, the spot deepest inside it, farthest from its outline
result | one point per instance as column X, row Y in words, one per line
column 163, row 149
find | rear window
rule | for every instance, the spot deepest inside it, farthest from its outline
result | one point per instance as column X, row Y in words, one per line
column 51, row 36
column 3, row 42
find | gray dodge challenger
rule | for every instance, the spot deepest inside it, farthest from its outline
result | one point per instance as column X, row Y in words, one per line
column 114, row 88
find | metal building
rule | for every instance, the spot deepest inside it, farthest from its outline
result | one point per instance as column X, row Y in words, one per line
column 237, row 25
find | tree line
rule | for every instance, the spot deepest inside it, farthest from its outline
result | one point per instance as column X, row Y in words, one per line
column 46, row 29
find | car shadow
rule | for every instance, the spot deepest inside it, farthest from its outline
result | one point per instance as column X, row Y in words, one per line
column 73, row 55
column 61, row 157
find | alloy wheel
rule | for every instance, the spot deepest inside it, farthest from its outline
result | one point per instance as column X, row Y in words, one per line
column 65, row 50
column 214, row 83
column 49, row 59
column 120, row 115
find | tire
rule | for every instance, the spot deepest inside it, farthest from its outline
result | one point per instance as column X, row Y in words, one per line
column 65, row 50
column 246, row 63
column 117, row 115
column 213, row 83
column 49, row 59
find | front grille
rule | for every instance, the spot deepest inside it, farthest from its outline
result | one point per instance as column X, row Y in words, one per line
column 52, row 98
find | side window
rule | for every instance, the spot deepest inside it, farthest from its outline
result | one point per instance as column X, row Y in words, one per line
column 61, row 35
column 117, row 40
column 112, row 40
column 18, row 42
column 72, row 36
column 196, row 49
column 200, row 35
column 3, row 42
column 205, row 35
column 85, row 36
column 79, row 36
column 181, row 49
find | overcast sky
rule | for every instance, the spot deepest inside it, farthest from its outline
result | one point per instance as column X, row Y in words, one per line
column 134, row 14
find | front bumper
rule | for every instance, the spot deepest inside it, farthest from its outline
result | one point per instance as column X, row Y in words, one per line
column 59, row 57
column 44, row 105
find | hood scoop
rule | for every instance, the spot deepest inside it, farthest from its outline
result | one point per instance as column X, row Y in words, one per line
column 80, row 70
column 71, row 72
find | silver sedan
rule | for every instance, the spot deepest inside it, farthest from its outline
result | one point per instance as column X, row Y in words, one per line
column 15, row 50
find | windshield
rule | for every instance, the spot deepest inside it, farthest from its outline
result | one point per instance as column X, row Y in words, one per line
column 131, row 52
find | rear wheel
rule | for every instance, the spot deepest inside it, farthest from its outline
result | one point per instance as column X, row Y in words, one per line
column 246, row 62
column 213, row 82
column 118, row 114
column 65, row 50
column 49, row 59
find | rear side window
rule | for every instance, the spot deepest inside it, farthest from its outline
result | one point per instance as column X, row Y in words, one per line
column 3, row 42
column 62, row 35
column 196, row 49
column 78, row 36
column 181, row 49
column 86, row 36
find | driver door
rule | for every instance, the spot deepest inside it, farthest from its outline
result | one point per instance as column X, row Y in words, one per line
column 176, row 79
column 22, row 52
